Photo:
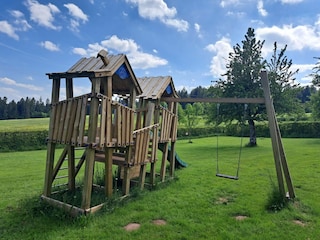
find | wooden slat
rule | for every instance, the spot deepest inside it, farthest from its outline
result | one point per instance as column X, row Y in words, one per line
column 103, row 122
column 72, row 120
column 66, row 121
column 118, row 125
column 76, row 124
column 58, row 108
column 61, row 121
column 109, row 123
column 82, row 122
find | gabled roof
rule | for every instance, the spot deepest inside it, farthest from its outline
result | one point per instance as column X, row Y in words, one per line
column 118, row 67
column 157, row 87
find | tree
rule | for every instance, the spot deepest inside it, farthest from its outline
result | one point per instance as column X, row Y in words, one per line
column 315, row 105
column 316, row 73
column 281, row 78
column 191, row 118
column 242, row 79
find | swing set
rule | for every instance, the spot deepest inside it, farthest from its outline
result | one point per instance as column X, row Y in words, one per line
column 218, row 173
column 280, row 160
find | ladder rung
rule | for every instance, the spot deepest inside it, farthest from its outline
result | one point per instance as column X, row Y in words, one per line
column 227, row 176
column 59, row 177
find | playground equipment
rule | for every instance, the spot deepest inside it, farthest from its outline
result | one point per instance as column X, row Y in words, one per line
column 218, row 174
column 124, row 133
column 280, row 160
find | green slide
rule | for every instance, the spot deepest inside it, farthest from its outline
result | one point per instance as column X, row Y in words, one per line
column 178, row 161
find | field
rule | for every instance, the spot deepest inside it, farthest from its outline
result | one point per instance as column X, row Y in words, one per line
column 196, row 205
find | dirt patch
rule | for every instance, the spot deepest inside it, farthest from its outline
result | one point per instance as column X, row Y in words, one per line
column 132, row 227
column 299, row 222
column 222, row 200
column 240, row 217
column 159, row 222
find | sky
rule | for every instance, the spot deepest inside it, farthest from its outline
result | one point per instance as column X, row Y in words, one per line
column 188, row 40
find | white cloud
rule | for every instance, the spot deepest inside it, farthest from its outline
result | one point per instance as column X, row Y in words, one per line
column 261, row 10
column 50, row 46
column 8, row 29
column 197, row 28
column 221, row 48
column 225, row 3
column 291, row 1
column 297, row 38
column 138, row 59
column 20, row 22
column 43, row 14
column 16, row 13
column 158, row 9
column 10, row 82
column 76, row 12
column 77, row 15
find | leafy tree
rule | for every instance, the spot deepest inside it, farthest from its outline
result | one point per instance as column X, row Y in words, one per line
column 315, row 105
column 191, row 118
column 181, row 114
column 281, row 78
column 316, row 73
column 242, row 80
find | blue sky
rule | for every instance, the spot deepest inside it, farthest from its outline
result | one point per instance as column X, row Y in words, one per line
column 188, row 40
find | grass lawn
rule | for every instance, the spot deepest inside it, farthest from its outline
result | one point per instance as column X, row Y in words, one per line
column 24, row 125
column 197, row 205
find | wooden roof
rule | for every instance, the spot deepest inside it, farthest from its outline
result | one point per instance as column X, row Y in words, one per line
column 118, row 66
column 157, row 87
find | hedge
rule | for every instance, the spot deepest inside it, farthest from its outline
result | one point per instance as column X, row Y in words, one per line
column 36, row 140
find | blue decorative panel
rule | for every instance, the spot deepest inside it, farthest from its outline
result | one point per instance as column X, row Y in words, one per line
column 123, row 72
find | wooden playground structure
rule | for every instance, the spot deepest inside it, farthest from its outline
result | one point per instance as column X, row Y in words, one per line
column 125, row 133
column 121, row 122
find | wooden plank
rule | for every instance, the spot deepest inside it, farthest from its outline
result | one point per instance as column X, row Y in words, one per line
column 215, row 100
column 118, row 125
column 109, row 124
column 56, row 120
column 103, row 122
column 128, row 126
column 273, row 133
column 75, row 132
column 61, row 121
column 82, row 119
column 108, row 172
column 73, row 113
column 71, row 169
column 66, row 122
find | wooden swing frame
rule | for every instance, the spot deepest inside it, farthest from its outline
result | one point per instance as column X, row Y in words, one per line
column 282, row 169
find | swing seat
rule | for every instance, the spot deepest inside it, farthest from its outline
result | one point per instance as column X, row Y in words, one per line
column 227, row 176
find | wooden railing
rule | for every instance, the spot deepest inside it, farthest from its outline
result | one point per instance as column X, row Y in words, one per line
column 116, row 124
column 68, row 121
column 168, row 125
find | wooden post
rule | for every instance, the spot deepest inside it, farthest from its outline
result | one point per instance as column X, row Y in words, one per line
column 174, row 109
column 108, row 149
column 90, row 153
column 51, row 146
column 277, row 146
column 71, row 153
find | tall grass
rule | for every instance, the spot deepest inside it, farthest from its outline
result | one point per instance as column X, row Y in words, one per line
column 196, row 205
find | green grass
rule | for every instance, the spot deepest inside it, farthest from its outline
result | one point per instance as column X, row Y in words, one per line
column 197, row 205
column 25, row 125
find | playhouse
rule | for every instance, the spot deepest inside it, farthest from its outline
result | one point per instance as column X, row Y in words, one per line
column 120, row 122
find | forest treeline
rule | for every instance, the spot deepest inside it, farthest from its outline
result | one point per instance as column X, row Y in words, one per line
column 24, row 108
column 32, row 108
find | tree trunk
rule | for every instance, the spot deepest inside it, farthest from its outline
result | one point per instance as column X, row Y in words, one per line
column 252, row 130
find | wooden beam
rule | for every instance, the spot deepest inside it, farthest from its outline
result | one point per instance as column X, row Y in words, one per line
column 273, row 131
column 215, row 100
